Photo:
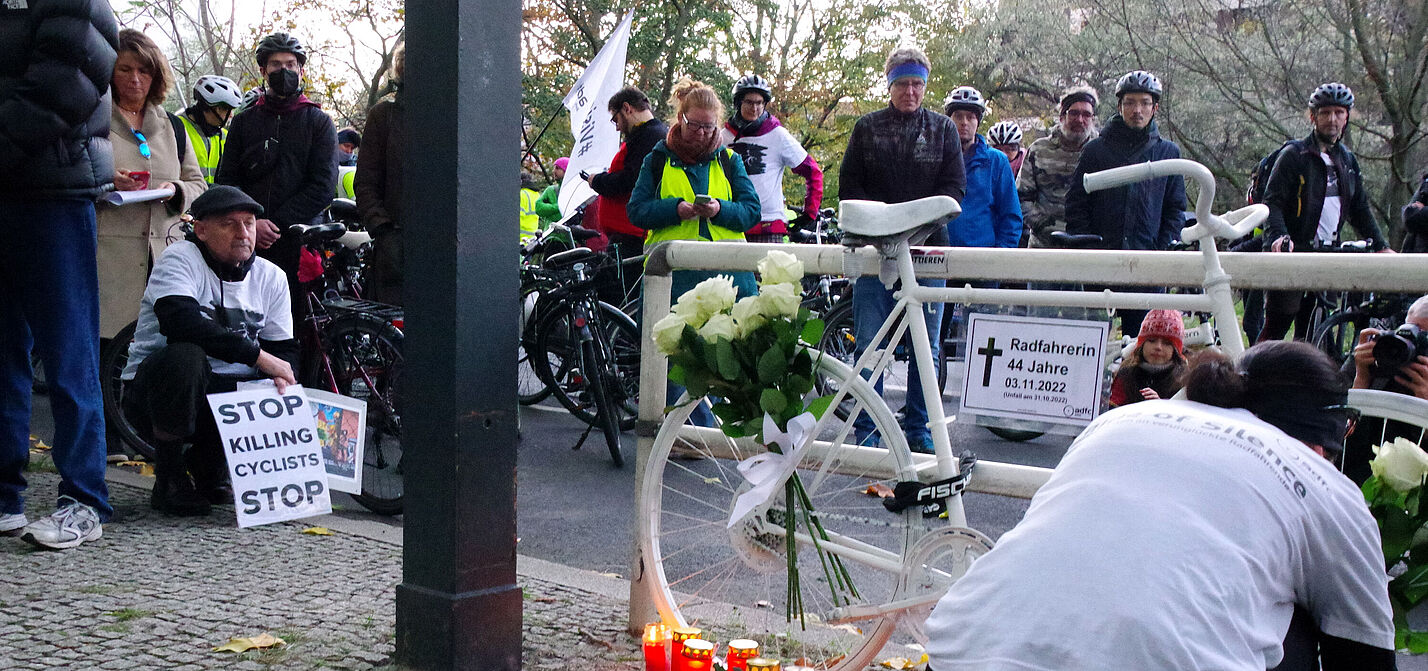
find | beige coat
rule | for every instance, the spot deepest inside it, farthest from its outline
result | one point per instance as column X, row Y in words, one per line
column 130, row 237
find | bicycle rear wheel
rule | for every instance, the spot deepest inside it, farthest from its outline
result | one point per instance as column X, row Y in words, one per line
column 556, row 358
column 706, row 574
column 602, row 386
column 1338, row 335
column 840, row 342
column 366, row 355
column 111, row 365
column 530, row 389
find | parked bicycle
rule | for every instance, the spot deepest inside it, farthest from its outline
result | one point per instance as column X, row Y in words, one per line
column 584, row 350
column 843, row 571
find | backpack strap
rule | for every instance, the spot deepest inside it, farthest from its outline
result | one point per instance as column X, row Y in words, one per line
column 180, row 137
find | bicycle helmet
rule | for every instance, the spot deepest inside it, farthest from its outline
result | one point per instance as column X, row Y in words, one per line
column 752, row 83
column 1331, row 94
column 1005, row 132
column 250, row 97
column 280, row 43
column 1139, row 81
column 215, row 90
column 965, row 98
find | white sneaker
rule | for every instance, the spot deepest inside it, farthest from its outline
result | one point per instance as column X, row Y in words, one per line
column 68, row 526
column 10, row 525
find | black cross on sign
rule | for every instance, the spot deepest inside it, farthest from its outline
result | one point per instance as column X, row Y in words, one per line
column 991, row 352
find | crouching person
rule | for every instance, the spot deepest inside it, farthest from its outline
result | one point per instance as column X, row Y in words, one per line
column 213, row 314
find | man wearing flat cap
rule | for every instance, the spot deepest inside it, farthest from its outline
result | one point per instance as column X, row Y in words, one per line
column 213, row 314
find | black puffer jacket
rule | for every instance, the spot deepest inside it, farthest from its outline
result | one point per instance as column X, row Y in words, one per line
column 894, row 157
column 1416, row 221
column 55, row 69
column 1144, row 215
column 1295, row 194
column 283, row 161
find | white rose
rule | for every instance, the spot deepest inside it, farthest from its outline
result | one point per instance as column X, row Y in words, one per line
column 780, row 268
column 718, row 326
column 779, row 300
column 1400, row 464
column 688, row 310
column 667, row 332
column 747, row 317
column 710, row 297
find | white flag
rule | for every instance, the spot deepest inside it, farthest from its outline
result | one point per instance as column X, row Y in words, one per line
column 596, row 139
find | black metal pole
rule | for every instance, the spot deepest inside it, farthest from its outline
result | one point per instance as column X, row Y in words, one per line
column 530, row 148
column 458, row 606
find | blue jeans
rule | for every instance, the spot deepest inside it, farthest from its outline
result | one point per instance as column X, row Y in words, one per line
column 49, row 300
column 872, row 303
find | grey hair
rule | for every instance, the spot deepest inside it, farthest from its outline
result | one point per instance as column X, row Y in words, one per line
column 902, row 55
column 1419, row 309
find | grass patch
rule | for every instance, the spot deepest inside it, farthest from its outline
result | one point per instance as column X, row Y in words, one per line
column 102, row 589
column 118, row 627
column 41, row 462
column 277, row 655
column 126, row 614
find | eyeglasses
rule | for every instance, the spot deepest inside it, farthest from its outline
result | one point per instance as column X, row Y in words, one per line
column 1351, row 417
column 700, row 127
column 1079, row 114
column 143, row 143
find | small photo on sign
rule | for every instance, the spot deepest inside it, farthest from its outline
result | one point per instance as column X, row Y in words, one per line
column 341, row 431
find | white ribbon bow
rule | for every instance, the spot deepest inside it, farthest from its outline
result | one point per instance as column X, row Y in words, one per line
column 767, row 471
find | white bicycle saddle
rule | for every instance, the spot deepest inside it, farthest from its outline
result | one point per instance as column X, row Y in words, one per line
column 355, row 239
column 872, row 219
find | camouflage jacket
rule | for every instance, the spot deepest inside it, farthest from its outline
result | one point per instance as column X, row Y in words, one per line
column 1042, row 184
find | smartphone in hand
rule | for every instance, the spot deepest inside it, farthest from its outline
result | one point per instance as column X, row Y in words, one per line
column 140, row 176
column 703, row 199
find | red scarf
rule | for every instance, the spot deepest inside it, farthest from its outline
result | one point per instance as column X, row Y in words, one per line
column 276, row 107
column 687, row 151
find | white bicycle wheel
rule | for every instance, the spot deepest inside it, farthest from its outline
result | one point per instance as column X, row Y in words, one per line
column 1401, row 417
column 736, row 581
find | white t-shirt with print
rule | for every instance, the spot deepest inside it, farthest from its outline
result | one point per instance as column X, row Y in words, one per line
column 765, row 158
column 257, row 307
column 1173, row 535
column 1333, row 204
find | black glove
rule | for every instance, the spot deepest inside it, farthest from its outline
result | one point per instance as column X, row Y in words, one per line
column 802, row 221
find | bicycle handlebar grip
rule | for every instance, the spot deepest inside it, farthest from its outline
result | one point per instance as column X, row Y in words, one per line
column 1110, row 179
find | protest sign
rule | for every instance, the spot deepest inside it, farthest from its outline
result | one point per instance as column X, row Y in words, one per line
column 274, row 458
column 1034, row 368
column 341, row 424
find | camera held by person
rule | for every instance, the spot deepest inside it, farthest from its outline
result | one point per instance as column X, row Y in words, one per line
column 1394, row 350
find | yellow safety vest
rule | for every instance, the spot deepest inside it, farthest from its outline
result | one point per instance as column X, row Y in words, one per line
column 208, row 149
column 346, row 175
column 675, row 183
column 530, row 221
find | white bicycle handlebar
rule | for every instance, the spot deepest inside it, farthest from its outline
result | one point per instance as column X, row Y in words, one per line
column 1228, row 227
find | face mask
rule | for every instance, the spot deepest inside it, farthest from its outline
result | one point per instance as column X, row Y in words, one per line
column 343, row 158
column 284, row 83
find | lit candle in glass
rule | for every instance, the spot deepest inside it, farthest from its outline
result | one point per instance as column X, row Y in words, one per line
column 679, row 635
column 696, row 655
column 762, row 664
column 656, row 645
column 741, row 650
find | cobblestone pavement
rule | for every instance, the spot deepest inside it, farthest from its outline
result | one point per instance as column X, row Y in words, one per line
column 159, row 592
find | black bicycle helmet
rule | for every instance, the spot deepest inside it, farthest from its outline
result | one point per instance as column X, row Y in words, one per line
column 280, row 43
column 751, row 83
column 965, row 98
column 1331, row 94
column 1139, row 81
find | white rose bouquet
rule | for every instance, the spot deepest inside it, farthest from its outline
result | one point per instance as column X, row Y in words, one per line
column 746, row 353
column 1395, row 497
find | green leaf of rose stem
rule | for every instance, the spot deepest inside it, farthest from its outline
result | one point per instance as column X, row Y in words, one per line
column 1413, row 584
column 790, row 522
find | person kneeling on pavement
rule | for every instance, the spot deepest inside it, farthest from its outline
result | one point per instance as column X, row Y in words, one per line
column 213, row 314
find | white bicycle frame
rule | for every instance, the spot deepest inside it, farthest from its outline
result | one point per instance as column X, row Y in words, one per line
column 1217, row 299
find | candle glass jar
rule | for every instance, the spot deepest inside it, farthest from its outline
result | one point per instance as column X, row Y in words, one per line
column 741, row 650
column 763, row 664
column 696, row 655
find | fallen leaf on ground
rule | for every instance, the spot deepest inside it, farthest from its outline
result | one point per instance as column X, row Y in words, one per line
column 263, row 640
column 712, row 481
column 901, row 663
column 879, row 490
column 37, row 444
column 147, row 469
column 317, row 531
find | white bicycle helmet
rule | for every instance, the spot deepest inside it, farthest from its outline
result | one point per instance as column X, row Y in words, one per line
column 216, row 90
column 965, row 98
column 1005, row 132
column 1332, row 93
